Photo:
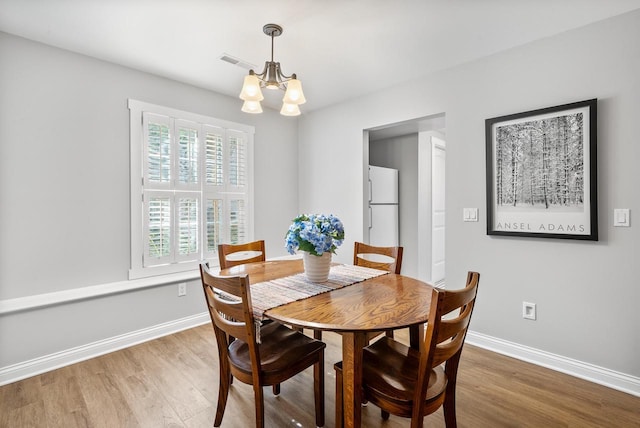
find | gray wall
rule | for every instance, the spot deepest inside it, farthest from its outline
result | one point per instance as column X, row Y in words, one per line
column 587, row 292
column 64, row 192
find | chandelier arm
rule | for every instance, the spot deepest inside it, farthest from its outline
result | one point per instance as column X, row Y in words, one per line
column 283, row 78
column 262, row 75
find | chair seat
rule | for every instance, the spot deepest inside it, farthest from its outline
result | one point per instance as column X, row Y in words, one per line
column 281, row 350
column 391, row 370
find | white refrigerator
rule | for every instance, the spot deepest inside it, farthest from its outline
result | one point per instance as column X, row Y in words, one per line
column 383, row 206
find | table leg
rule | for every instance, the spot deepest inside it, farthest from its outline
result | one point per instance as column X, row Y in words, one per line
column 416, row 336
column 352, row 344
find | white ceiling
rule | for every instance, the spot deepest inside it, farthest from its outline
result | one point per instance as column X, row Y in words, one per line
column 338, row 48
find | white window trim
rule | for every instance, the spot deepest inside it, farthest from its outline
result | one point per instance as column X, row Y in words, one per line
column 136, row 108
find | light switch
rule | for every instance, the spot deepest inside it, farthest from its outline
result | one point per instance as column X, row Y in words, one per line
column 470, row 214
column 621, row 217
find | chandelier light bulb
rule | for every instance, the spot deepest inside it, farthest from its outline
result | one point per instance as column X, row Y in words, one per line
column 290, row 110
column 294, row 94
column 251, row 89
column 252, row 107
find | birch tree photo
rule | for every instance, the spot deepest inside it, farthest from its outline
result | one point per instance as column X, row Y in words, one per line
column 540, row 164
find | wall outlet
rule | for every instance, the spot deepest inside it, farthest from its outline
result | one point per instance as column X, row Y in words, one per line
column 528, row 311
column 182, row 289
column 621, row 217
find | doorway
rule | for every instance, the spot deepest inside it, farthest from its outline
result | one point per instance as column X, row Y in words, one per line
column 416, row 148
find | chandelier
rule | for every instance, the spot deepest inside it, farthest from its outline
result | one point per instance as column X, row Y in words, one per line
column 272, row 78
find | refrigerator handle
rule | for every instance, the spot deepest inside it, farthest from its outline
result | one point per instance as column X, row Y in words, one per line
column 370, row 218
column 370, row 190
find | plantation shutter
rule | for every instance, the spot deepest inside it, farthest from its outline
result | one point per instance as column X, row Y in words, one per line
column 187, row 203
column 213, row 226
column 226, row 167
column 157, row 151
column 237, row 179
column 188, row 155
column 237, row 221
column 194, row 186
column 214, row 157
column 213, row 189
column 188, row 226
column 157, row 233
column 237, row 161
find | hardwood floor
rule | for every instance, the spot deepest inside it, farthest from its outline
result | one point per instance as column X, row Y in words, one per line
column 172, row 382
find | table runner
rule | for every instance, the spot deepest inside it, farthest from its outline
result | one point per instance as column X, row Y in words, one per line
column 277, row 292
column 270, row 294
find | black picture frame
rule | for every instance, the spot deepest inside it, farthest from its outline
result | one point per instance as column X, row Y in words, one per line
column 541, row 170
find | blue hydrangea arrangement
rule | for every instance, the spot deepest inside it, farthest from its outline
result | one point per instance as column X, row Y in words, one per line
column 315, row 233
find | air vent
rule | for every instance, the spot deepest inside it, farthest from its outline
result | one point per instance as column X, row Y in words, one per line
column 237, row 61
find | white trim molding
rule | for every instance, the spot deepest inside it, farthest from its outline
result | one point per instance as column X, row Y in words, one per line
column 27, row 303
column 600, row 375
column 56, row 360
column 36, row 301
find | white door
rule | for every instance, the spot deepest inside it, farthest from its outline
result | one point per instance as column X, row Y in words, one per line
column 438, row 211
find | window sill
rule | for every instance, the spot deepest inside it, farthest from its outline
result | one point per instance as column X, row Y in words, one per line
column 27, row 303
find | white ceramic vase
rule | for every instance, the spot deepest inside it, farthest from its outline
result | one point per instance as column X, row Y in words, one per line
column 316, row 268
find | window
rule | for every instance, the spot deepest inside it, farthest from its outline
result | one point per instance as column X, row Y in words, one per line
column 191, row 180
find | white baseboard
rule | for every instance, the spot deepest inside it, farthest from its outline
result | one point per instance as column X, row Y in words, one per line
column 612, row 379
column 50, row 362
column 592, row 373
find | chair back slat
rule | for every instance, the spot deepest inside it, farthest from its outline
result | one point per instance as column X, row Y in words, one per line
column 225, row 315
column 382, row 258
column 249, row 252
column 459, row 298
column 446, row 350
column 452, row 326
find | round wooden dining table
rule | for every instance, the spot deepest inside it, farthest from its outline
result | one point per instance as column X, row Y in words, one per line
column 386, row 302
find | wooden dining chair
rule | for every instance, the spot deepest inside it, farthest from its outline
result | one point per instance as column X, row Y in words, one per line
column 382, row 258
column 237, row 254
column 409, row 383
column 279, row 354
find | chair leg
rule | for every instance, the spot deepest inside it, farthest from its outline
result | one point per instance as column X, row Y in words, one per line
column 276, row 389
column 449, row 405
column 418, row 423
column 259, row 403
column 317, row 334
column 231, row 339
column 449, row 408
column 318, row 389
column 339, row 397
column 223, row 393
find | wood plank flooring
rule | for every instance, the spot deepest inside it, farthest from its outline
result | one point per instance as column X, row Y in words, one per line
column 173, row 382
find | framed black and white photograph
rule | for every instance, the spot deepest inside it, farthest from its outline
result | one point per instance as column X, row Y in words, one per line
column 541, row 173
